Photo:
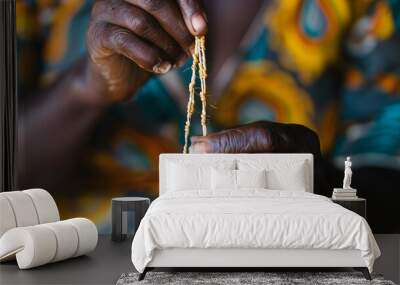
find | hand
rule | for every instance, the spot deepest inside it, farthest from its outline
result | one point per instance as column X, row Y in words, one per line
column 259, row 137
column 130, row 40
column 267, row 137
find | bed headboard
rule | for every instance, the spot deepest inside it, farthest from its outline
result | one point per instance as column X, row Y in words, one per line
column 268, row 158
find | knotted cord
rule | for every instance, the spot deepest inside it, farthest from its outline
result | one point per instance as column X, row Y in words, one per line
column 199, row 62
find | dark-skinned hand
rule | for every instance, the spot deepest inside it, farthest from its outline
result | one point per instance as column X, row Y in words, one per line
column 265, row 137
column 128, row 40
column 259, row 137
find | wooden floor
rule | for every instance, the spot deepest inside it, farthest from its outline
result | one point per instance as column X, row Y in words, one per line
column 110, row 260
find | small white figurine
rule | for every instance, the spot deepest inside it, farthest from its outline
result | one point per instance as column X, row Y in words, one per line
column 347, row 174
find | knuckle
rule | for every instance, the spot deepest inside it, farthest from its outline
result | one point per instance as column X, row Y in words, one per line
column 98, row 8
column 97, row 41
column 101, row 8
column 119, row 39
column 141, row 24
column 95, row 34
column 101, row 31
column 153, row 5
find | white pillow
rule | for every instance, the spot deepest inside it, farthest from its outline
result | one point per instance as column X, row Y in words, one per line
column 288, row 175
column 291, row 178
column 193, row 175
column 251, row 178
column 226, row 179
column 223, row 179
column 182, row 177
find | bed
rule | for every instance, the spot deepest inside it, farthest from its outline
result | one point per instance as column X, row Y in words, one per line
column 246, row 211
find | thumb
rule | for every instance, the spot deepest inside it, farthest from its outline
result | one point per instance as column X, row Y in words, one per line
column 194, row 16
column 200, row 144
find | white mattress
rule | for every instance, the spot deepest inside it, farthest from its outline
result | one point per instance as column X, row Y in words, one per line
column 252, row 219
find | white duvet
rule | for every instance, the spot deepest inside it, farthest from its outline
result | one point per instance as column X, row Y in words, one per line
column 250, row 219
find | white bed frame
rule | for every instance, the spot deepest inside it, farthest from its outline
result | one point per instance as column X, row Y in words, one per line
column 251, row 258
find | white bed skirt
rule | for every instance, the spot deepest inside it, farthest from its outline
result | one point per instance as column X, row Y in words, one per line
column 193, row 257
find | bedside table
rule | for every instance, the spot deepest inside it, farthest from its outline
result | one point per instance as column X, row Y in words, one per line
column 121, row 207
column 357, row 205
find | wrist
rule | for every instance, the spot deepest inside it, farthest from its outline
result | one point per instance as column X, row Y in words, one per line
column 89, row 86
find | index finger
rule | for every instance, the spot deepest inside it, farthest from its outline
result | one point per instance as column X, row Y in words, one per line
column 170, row 17
column 247, row 138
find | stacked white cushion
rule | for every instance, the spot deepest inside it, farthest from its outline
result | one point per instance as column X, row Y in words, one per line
column 45, row 205
column 283, row 171
column 32, row 246
column 26, row 208
column 193, row 175
column 87, row 235
column 287, row 174
column 7, row 219
column 67, row 240
column 184, row 177
column 23, row 208
column 223, row 179
column 251, row 178
column 31, row 232
column 226, row 179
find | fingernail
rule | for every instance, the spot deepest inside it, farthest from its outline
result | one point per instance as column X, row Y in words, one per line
column 198, row 23
column 162, row 67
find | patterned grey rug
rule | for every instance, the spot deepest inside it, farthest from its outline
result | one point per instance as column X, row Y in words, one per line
column 269, row 278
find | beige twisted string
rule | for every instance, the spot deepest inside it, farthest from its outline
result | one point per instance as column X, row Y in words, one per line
column 203, row 90
column 199, row 61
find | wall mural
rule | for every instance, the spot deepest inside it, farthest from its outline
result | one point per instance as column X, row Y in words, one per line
column 328, row 65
